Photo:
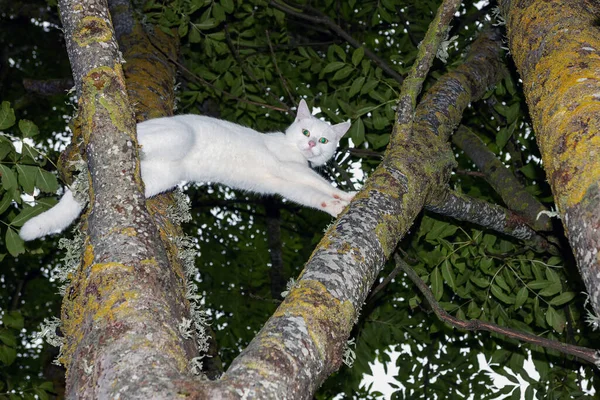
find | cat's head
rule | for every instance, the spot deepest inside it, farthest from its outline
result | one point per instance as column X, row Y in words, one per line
column 315, row 139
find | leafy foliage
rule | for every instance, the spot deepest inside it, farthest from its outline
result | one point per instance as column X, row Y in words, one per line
column 251, row 62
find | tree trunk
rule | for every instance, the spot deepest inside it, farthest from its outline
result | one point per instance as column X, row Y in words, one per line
column 122, row 309
column 555, row 46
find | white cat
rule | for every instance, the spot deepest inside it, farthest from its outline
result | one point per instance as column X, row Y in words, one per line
column 203, row 149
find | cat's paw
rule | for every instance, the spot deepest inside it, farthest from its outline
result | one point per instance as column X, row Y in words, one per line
column 345, row 196
column 333, row 206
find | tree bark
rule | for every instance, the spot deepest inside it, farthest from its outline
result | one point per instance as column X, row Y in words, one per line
column 555, row 46
column 122, row 308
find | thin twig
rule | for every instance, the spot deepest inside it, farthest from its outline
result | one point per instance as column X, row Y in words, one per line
column 584, row 353
column 247, row 70
column 326, row 21
column 470, row 173
column 223, row 92
column 283, row 81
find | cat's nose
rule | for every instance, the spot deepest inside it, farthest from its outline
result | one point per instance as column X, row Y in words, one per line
column 311, row 144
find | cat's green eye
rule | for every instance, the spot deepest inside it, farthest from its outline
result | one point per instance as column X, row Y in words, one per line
column 323, row 140
column 305, row 132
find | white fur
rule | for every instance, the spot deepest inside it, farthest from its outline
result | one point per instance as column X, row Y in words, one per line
column 203, row 149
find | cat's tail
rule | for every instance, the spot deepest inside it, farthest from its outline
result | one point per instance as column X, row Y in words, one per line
column 56, row 219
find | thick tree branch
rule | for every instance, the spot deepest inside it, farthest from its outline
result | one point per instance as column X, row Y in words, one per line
column 412, row 85
column 486, row 215
column 557, row 58
column 584, row 353
column 502, row 179
column 124, row 264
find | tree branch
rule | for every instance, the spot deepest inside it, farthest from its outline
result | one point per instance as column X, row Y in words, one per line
column 490, row 216
column 48, row 87
column 501, row 179
column 584, row 353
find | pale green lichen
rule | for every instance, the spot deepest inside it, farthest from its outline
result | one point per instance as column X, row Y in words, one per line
column 187, row 252
column 349, row 355
column 71, row 260
column 48, row 333
column 179, row 212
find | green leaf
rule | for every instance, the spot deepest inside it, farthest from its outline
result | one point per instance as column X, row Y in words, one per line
column 552, row 276
column 8, row 337
column 28, row 128
column 47, row 386
column 7, row 354
column 502, row 283
column 5, row 202
column 500, row 295
column 358, row 55
column 448, row 274
column 562, row 298
column 13, row 319
column 46, row 181
column 555, row 320
column 14, row 244
column 28, row 213
column 379, row 141
column 369, row 86
column 356, row 86
column 208, row 23
column 505, row 134
column 437, row 284
column 357, row 132
column 183, row 29
column 480, row 282
column 9, row 180
column 551, row 289
column 194, row 36
column 522, row 296
column 7, row 115
column 342, row 73
column 228, row 6
column 218, row 12
column 332, row 66
column 27, row 175
column 6, row 147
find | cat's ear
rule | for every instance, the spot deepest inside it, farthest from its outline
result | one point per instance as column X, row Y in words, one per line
column 303, row 110
column 340, row 129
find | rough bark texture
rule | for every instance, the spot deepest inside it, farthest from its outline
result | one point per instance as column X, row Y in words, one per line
column 555, row 46
column 119, row 333
column 502, row 179
column 487, row 215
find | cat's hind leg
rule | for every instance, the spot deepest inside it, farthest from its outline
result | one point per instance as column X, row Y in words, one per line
column 159, row 176
column 165, row 139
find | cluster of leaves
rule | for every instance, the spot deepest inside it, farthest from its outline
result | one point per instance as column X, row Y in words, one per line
column 12, row 324
column 21, row 173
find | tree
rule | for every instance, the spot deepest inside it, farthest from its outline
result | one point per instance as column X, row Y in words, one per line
column 483, row 256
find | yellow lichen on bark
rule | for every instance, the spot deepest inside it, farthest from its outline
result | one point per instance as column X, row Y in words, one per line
column 92, row 30
column 558, row 56
column 320, row 310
